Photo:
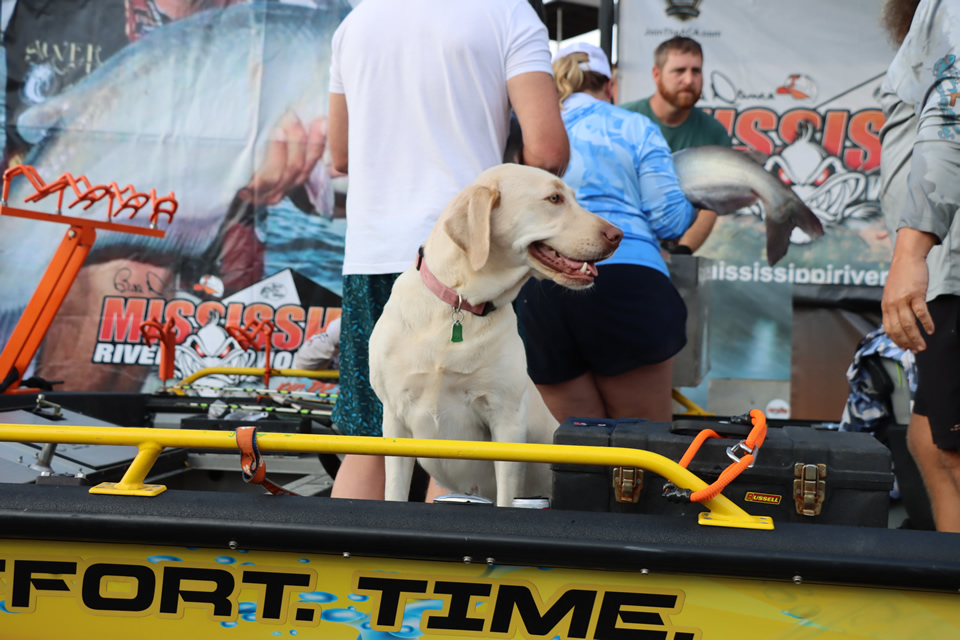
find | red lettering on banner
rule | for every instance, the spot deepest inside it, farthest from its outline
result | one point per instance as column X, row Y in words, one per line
column 750, row 126
column 206, row 308
column 865, row 133
column 834, row 131
column 726, row 117
column 180, row 310
column 155, row 309
column 289, row 335
column 121, row 319
column 314, row 321
column 790, row 123
column 257, row 311
column 234, row 314
column 319, row 386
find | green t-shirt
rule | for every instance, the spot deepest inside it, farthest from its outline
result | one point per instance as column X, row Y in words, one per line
column 698, row 130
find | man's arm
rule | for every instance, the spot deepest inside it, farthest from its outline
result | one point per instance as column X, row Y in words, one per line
column 904, row 295
column 697, row 234
column 535, row 101
column 337, row 134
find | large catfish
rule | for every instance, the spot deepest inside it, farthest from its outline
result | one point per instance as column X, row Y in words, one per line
column 724, row 180
column 188, row 108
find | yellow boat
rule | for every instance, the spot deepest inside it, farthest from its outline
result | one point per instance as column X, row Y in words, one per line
column 130, row 557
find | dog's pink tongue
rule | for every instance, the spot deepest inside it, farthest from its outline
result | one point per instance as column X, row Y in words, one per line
column 577, row 266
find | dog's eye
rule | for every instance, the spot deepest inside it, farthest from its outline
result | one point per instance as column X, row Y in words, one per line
column 556, row 198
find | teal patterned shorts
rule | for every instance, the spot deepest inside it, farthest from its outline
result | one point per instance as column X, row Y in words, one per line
column 358, row 411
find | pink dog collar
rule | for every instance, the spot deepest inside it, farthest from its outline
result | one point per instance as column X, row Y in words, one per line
column 447, row 294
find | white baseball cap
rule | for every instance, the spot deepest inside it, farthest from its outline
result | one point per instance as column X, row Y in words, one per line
column 597, row 59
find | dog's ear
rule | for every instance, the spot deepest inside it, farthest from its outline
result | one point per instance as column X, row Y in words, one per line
column 469, row 223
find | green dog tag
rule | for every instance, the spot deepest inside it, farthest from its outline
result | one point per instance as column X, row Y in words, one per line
column 457, row 332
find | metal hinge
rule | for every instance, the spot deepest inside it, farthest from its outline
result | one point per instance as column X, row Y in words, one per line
column 809, row 488
column 627, row 483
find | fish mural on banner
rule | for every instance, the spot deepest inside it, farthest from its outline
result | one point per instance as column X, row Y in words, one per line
column 188, row 108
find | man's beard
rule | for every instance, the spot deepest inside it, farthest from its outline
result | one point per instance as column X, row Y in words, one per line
column 897, row 16
column 682, row 99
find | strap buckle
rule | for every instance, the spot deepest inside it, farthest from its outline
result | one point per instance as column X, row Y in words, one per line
column 252, row 467
column 739, row 450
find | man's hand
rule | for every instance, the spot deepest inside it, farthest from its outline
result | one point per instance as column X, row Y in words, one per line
column 292, row 152
column 904, row 295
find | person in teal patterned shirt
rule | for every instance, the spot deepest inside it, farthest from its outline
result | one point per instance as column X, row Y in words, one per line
column 678, row 74
column 608, row 351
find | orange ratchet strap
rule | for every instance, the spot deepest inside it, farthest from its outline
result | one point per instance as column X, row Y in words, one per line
column 743, row 454
column 252, row 466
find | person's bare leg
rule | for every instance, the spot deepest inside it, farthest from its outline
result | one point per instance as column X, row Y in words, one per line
column 938, row 479
column 578, row 397
column 360, row 477
column 434, row 489
column 951, row 462
column 645, row 392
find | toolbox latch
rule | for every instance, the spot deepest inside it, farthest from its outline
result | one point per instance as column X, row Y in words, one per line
column 809, row 488
column 627, row 483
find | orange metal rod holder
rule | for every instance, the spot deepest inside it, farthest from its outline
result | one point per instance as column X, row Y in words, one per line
column 53, row 288
column 166, row 336
column 246, row 337
column 60, row 273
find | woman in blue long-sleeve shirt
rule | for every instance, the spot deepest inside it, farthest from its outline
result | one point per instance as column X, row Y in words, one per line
column 608, row 352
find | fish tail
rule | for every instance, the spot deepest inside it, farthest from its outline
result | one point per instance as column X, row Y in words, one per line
column 778, row 239
column 779, row 227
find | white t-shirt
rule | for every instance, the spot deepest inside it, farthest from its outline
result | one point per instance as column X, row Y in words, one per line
column 425, row 85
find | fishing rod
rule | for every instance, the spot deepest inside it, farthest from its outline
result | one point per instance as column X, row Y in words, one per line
column 257, row 407
column 259, row 391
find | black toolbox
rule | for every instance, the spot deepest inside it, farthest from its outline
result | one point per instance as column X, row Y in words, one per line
column 800, row 474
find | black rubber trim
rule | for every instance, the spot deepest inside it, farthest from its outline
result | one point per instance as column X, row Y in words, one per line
column 817, row 553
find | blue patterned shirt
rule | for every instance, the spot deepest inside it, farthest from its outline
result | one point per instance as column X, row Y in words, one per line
column 621, row 169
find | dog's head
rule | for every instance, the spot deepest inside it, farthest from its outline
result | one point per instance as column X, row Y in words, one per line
column 513, row 215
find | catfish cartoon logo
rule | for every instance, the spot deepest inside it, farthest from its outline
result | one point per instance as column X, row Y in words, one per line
column 830, row 158
column 835, row 194
column 212, row 346
column 298, row 308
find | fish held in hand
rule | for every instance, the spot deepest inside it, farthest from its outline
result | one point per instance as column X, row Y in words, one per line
column 723, row 180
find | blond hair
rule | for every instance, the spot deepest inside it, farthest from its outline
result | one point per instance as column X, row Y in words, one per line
column 570, row 78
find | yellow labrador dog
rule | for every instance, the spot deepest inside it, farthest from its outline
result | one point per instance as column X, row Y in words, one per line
column 445, row 357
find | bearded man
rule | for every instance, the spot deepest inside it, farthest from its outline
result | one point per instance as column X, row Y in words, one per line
column 678, row 74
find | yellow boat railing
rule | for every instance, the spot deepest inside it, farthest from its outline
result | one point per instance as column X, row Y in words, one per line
column 151, row 442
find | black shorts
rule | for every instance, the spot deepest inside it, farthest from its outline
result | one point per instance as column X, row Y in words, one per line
column 632, row 317
column 938, row 373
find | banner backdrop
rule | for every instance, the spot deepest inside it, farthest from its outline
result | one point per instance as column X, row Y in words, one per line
column 183, row 98
column 794, row 82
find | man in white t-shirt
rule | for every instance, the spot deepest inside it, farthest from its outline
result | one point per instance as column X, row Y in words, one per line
column 420, row 98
